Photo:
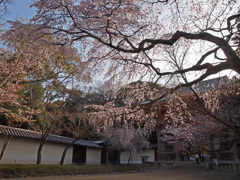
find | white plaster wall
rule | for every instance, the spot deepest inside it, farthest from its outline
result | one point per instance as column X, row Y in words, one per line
column 93, row 156
column 24, row 151
column 52, row 153
column 136, row 158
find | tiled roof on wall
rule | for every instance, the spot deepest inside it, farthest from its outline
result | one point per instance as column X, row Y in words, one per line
column 207, row 85
column 17, row 132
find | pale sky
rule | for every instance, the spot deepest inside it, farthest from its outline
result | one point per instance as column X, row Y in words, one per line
column 19, row 9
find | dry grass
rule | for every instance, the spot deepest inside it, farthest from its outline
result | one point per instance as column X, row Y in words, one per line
column 22, row 170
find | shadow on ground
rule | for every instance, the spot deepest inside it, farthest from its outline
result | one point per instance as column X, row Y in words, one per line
column 161, row 174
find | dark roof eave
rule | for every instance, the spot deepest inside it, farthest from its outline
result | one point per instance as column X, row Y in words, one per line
column 17, row 132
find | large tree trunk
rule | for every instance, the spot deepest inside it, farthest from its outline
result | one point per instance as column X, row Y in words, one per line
column 39, row 154
column 130, row 157
column 5, row 144
column 119, row 158
column 107, row 154
column 43, row 140
column 65, row 151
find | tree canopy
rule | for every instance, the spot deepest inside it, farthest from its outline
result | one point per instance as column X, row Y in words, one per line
column 174, row 43
column 130, row 36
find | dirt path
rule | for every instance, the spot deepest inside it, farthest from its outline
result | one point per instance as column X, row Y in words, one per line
column 176, row 174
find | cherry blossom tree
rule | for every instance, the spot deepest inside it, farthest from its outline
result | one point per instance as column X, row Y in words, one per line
column 27, row 61
column 116, row 139
column 123, row 123
column 127, row 40
column 139, row 142
column 123, row 138
column 205, row 104
column 13, row 71
column 192, row 116
column 130, row 35
column 125, row 109
column 221, row 105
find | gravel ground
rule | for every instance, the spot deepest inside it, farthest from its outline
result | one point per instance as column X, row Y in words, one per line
column 168, row 174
